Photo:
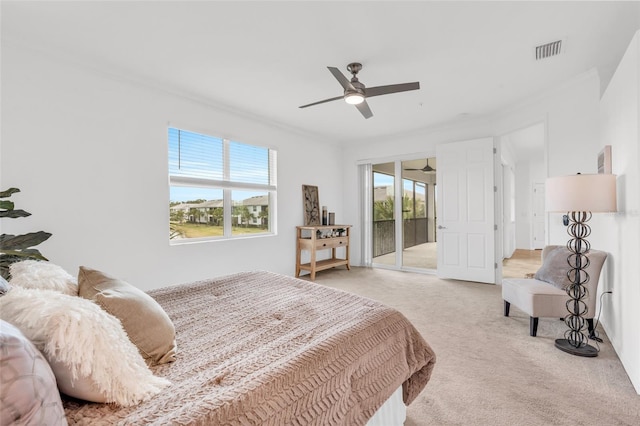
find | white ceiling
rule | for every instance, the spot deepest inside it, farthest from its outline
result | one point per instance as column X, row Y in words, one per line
column 264, row 59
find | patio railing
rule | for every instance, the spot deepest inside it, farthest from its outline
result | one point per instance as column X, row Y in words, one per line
column 384, row 235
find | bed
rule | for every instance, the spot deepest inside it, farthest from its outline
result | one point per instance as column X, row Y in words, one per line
column 263, row 348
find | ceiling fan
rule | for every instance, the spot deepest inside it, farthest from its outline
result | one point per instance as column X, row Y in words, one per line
column 355, row 93
column 425, row 169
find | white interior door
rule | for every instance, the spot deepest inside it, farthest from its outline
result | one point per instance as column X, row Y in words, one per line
column 465, row 204
column 538, row 215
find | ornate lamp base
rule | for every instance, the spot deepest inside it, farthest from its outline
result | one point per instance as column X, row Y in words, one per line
column 575, row 341
column 584, row 350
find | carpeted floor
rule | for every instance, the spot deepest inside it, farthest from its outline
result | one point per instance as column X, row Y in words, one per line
column 489, row 371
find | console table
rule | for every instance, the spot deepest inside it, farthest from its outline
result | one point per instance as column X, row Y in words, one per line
column 326, row 237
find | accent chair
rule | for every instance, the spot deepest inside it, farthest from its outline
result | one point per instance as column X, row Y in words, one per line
column 544, row 295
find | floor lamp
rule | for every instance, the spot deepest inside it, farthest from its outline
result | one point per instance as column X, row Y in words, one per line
column 579, row 196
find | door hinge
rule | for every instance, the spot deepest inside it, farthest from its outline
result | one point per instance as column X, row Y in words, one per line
column 495, row 266
column 495, row 150
column 495, row 227
column 495, row 189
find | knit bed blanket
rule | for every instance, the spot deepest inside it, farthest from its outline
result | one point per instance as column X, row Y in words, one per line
column 259, row 348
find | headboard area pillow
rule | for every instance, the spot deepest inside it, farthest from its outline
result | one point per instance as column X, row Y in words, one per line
column 146, row 323
column 87, row 348
column 28, row 391
column 42, row 275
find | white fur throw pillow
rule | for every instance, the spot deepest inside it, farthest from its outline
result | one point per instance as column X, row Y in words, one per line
column 82, row 341
column 43, row 276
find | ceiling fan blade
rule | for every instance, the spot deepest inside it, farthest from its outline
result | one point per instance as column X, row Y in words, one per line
column 321, row 102
column 344, row 82
column 364, row 109
column 415, row 170
column 392, row 88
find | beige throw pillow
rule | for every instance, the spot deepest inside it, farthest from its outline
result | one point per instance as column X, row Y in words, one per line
column 555, row 267
column 147, row 324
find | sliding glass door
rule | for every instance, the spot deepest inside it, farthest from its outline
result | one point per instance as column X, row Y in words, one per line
column 403, row 214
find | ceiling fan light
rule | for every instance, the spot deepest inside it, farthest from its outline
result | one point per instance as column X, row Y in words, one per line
column 354, row 98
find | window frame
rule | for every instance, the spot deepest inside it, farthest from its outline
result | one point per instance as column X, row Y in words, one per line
column 227, row 186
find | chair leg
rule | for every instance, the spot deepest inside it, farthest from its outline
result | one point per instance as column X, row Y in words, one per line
column 507, row 305
column 533, row 326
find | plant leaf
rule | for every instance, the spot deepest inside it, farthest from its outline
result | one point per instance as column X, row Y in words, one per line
column 21, row 255
column 19, row 242
column 6, row 204
column 6, row 261
column 14, row 213
column 8, row 192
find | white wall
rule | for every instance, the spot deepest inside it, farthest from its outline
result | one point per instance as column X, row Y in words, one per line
column 620, row 128
column 89, row 152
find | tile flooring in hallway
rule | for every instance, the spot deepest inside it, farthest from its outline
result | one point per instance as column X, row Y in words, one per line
column 521, row 263
column 424, row 256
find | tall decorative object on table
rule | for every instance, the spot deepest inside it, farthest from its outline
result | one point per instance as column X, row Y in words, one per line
column 579, row 196
column 310, row 205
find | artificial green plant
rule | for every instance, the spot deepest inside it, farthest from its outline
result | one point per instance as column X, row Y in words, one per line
column 14, row 248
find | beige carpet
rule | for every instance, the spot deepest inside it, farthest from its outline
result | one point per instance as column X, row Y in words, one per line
column 489, row 371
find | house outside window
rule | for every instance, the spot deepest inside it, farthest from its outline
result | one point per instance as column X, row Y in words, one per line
column 218, row 188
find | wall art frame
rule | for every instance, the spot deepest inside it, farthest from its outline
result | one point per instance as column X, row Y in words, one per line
column 310, row 205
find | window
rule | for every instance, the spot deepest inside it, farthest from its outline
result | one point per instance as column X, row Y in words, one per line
column 414, row 201
column 219, row 189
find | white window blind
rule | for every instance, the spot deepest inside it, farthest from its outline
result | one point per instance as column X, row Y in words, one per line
column 195, row 155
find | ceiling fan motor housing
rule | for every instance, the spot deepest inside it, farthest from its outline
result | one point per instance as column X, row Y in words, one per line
column 359, row 87
column 354, row 68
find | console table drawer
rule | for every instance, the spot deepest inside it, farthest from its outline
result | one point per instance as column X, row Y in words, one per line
column 331, row 243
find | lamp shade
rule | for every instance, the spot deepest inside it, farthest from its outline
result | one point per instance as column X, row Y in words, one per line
column 581, row 193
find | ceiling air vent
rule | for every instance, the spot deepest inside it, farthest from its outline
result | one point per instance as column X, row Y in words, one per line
column 549, row 49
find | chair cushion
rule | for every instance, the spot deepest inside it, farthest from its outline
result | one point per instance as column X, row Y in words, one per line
column 536, row 298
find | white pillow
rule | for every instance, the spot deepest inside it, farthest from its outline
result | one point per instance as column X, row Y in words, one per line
column 43, row 276
column 87, row 348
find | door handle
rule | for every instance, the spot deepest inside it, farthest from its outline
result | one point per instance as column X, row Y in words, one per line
column 442, row 227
